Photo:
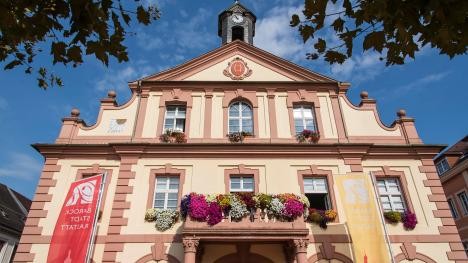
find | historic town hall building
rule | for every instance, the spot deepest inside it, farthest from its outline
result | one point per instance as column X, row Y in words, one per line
column 282, row 167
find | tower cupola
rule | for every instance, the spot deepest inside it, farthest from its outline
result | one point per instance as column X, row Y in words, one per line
column 236, row 23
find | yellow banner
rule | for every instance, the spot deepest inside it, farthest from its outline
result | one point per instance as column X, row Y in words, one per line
column 363, row 218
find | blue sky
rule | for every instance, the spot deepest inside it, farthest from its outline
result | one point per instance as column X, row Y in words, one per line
column 432, row 88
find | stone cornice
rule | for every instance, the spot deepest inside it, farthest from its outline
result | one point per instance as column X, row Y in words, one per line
column 228, row 150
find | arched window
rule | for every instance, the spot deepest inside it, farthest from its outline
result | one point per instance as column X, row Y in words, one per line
column 240, row 117
column 237, row 33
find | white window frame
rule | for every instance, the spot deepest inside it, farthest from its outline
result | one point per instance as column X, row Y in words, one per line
column 166, row 191
column 391, row 194
column 453, row 208
column 240, row 118
column 304, row 119
column 242, row 188
column 463, row 198
column 317, row 191
column 442, row 166
column 175, row 118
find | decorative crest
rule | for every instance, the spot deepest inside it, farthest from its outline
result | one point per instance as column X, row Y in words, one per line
column 237, row 69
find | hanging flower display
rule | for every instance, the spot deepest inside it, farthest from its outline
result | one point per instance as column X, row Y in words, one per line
column 210, row 209
column 308, row 136
column 238, row 208
column 293, row 208
column 214, row 215
column 170, row 136
column 198, row 207
column 409, row 220
column 164, row 218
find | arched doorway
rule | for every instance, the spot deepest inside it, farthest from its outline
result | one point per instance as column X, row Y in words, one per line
column 238, row 258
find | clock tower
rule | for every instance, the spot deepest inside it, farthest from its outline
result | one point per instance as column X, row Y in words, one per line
column 236, row 23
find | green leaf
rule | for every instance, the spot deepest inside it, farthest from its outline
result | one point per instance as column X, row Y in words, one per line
column 334, row 57
column 375, row 39
column 143, row 16
column 294, row 20
column 13, row 64
column 338, row 24
column 321, row 45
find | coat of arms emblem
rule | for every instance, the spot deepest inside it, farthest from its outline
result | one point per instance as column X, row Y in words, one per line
column 237, row 69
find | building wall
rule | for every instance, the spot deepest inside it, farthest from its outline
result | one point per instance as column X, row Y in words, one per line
column 277, row 175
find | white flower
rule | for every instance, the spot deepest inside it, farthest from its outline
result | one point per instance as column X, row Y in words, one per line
column 305, row 200
column 165, row 218
column 276, row 207
column 150, row 215
column 210, row 198
column 238, row 209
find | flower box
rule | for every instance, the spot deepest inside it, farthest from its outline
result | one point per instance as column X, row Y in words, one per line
column 308, row 136
column 170, row 136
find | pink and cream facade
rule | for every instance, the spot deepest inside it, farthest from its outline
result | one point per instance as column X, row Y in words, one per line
column 239, row 87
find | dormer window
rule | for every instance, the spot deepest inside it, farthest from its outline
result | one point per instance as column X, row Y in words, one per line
column 240, row 118
column 175, row 118
column 442, row 166
column 304, row 118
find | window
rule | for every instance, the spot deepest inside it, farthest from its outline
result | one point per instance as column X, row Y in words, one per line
column 464, row 202
column 442, row 166
column 390, row 195
column 241, row 184
column 237, row 33
column 453, row 209
column 240, row 118
column 303, row 118
column 316, row 190
column 167, row 192
column 175, row 118
column 465, row 246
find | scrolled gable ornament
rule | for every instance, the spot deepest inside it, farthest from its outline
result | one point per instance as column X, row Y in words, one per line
column 237, row 69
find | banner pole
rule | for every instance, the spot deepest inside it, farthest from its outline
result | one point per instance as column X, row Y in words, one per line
column 90, row 249
column 382, row 218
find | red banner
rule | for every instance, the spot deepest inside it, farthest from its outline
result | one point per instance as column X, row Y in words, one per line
column 74, row 228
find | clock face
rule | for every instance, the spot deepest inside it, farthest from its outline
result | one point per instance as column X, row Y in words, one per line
column 237, row 18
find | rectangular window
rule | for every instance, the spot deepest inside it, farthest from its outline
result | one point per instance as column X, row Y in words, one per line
column 304, row 118
column 175, row 118
column 464, row 202
column 167, row 192
column 241, row 184
column 442, row 166
column 316, row 190
column 453, row 209
column 391, row 195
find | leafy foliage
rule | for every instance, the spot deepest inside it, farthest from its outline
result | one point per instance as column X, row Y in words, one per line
column 72, row 28
column 397, row 29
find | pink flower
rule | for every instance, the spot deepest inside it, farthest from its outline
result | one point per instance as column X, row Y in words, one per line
column 293, row 208
column 409, row 220
column 198, row 208
column 214, row 214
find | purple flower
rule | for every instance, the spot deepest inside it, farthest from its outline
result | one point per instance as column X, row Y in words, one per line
column 184, row 205
column 198, row 208
column 293, row 208
column 409, row 220
column 214, row 214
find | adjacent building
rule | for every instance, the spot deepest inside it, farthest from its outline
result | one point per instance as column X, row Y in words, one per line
column 452, row 167
column 13, row 212
column 236, row 122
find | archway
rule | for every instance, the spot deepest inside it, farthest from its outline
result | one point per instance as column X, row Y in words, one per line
column 238, row 258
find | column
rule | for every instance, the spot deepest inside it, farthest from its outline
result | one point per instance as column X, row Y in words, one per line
column 272, row 114
column 190, row 249
column 300, row 246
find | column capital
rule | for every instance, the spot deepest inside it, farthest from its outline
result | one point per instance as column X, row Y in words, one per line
column 190, row 244
column 300, row 245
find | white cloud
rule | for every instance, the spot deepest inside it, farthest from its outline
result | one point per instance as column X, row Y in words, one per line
column 274, row 34
column 118, row 79
column 419, row 83
column 21, row 166
column 3, row 103
column 359, row 68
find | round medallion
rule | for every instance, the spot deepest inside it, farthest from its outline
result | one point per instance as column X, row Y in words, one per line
column 237, row 68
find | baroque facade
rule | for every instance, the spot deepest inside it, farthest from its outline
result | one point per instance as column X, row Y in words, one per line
column 241, row 90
